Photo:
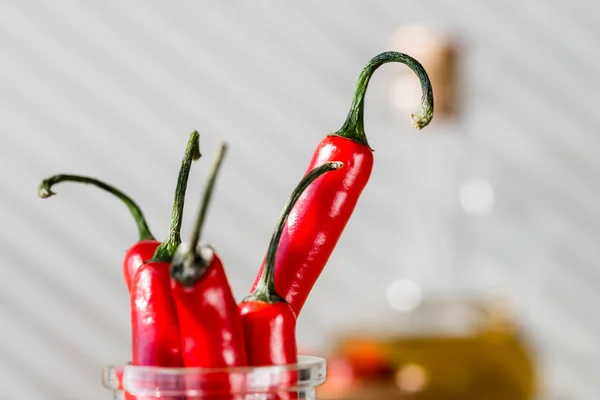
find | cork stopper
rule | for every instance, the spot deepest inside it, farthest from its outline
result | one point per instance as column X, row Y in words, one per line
column 439, row 55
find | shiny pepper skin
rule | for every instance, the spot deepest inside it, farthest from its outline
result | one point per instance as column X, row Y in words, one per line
column 136, row 256
column 318, row 219
column 211, row 329
column 154, row 324
column 264, row 325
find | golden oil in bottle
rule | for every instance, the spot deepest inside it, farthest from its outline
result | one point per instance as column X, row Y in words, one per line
column 480, row 355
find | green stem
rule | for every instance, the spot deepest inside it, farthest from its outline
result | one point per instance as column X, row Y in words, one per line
column 208, row 190
column 189, row 263
column 353, row 127
column 265, row 290
column 45, row 191
column 166, row 250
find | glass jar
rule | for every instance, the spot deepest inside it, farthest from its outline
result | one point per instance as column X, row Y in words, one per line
column 283, row 382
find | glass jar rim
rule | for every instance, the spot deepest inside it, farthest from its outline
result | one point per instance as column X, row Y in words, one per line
column 308, row 373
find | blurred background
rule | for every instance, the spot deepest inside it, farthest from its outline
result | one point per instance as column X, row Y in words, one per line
column 476, row 237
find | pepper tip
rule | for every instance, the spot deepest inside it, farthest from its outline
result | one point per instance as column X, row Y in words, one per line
column 44, row 191
column 419, row 121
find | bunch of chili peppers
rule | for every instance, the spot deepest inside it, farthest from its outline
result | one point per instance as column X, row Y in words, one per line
column 183, row 311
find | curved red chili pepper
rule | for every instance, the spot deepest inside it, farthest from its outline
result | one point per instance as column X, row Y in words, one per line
column 211, row 328
column 138, row 253
column 154, row 323
column 269, row 321
column 320, row 215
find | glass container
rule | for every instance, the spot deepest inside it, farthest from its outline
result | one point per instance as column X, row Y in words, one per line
column 283, row 382
column 451, row 349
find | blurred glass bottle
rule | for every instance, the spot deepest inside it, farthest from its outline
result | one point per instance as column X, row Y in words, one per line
column 466, row 349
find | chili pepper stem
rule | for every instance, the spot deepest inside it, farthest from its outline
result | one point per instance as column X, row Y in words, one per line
column 206, row 198
column 191, row 261
column 165, row 252
column 265, row 290
column 45, row 191
column 353, row 127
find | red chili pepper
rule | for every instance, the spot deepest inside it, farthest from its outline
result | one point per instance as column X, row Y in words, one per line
column 320, row 215
column 138, row 253
column 154, row 323
column 269, row 321
column 211, row 328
